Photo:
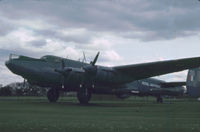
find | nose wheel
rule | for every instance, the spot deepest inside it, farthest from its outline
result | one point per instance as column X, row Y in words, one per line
column 84, row 95
column 53, row 95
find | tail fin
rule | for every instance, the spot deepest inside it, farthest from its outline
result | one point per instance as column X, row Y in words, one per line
column 193, row 82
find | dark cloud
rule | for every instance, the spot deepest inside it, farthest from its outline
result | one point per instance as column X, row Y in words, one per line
column 38, row 43
column 56, row 34
column 145, row 20
column 164, row 19
column 4, row 54
column 6, row 28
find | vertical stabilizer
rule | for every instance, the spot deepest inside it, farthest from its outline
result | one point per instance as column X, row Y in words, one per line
column 193, row 82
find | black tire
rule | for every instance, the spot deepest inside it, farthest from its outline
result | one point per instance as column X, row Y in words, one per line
column 159, row 99
column 84, row 95
column 53, row 95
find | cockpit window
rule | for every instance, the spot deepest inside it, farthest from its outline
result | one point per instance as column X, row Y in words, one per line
column 13, row 56
column 51, row 58
column 21, row 57
column 44, row 57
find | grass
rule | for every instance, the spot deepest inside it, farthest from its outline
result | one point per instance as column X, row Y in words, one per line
column 27, row 114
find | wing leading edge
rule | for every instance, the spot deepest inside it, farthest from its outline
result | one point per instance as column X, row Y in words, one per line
column 146, row 70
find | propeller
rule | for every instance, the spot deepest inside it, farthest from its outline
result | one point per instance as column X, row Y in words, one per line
column 63, row 63
column 91, row 68
column 95, row 59
column 90, row 71
column 86, row 70
column 84, row 58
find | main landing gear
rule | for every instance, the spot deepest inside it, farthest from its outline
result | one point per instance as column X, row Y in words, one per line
column 159, row 99
column 84, row 95
column 53, row 95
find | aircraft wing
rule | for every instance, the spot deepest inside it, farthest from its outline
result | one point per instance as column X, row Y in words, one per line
column 146, row 70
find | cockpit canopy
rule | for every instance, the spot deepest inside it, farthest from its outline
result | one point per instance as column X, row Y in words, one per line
column 51, row 58
column 21, row 57
column 47, row 58
column 14, row 56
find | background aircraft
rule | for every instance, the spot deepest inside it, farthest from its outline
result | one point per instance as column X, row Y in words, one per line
column 152, row 87
column 159, row 88
column 62, row 74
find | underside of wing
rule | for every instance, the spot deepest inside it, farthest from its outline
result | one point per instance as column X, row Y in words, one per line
column 172, row 84
column 146, row 70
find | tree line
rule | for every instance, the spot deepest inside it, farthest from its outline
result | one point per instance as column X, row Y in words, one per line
column 21, row 90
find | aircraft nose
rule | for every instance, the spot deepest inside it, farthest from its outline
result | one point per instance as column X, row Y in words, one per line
column 13, row 66
column 8, row 63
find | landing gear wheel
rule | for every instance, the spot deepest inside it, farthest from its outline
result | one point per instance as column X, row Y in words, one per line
column 159, row 99
column 84, row 95
column 53, row 95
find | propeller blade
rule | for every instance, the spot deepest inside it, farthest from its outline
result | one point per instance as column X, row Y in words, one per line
column 84, row 58
column 63, row 63
column 95, row 59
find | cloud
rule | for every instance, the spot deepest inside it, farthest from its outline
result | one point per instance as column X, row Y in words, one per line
column 154, row 19
column 76, row 35
column 5, row 28
column 68, row 27
column 38, row 43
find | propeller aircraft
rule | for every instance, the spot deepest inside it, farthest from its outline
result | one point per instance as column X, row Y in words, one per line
column 61, row 74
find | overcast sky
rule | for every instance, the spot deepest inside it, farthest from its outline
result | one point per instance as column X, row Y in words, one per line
column 124, row 31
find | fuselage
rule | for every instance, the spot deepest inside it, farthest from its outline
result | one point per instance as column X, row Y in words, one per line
column 153, row 87
column 42, row 72
column 105, row 80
